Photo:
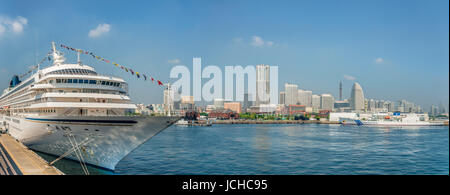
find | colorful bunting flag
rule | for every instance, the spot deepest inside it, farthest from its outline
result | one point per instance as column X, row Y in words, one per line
column 108, row 61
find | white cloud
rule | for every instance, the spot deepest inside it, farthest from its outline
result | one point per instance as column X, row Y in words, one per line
column 257, row 41
column 174, row 61
column 16, row 25
column 100, row 30
column 348, row 77
column 379, row 60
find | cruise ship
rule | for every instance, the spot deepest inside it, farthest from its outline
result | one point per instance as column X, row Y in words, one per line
column 71, row 111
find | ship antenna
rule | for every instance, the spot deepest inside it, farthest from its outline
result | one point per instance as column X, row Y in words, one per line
column 53, row 46
column 78, row 57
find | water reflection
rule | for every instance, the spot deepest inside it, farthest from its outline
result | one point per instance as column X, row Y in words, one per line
column 285, row 149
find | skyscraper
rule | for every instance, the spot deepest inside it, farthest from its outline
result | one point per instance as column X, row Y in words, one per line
column 357, row 98
column 262, row 83
column 326, row 102
column 315, row 101
column 304, row 97
column 247, row 102
column 340, row 90
column 282, row 98
column 169, row 97
column 291, row 91
column 372, row 105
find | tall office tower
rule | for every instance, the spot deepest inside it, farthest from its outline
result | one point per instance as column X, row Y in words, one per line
column 326, row 102
column 372, row 105
column 168, row 99
column 291, row 96
column 304, row 97
column 282, row 98
column 340, row 90
column 315, row 101
column 187, row 103
column 247, row 102
column 262, row 83
column 391, row 106
column 434, row 110
column 357, row 98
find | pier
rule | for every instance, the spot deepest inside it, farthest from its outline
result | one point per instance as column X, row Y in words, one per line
column 17, row 159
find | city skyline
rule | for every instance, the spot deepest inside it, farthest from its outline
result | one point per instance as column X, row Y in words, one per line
column 395, row 50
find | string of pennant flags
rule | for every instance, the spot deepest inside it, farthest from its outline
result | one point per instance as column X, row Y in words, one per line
column 138, row 75
column 47, row 57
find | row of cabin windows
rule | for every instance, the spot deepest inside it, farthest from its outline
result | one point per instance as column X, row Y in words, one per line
column 73, row 71
column 115, row 84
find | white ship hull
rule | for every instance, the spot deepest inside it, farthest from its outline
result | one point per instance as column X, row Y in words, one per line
column 109, row 139
column 395, row 123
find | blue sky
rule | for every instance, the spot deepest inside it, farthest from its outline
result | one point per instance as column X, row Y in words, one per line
column 394, row 49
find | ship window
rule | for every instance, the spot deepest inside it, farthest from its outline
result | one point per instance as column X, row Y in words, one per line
column 75, row 81
column 69, row 80
column 103, row 82
column 86, row 81
column 107, row 82
column 80, row 80
column 92, row 81
column 58, row 80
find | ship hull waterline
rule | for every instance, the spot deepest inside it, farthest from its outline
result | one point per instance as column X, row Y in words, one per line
column 107, row 139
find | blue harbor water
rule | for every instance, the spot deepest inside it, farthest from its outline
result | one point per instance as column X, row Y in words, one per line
column 286, row 149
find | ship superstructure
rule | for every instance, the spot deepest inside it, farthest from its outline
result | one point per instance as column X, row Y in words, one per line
column 63, row 105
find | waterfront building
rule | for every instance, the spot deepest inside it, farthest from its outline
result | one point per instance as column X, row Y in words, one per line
column 326, row 102
column 187, row 103
column 372, row 105
column 282, row 98
column 158, row 108
column 304, row 97
column 291, row 91
column 142, row 109
column 391, row 106
column 357, row 97
column 219, row 103
column 169, row 99
column 339, row 116
column 315, row 102
column 223, row 114
column 247, row 102
column 296, row 109
column 233, row 106
column 342, row 105
column 434, row 110
column 262, row 83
